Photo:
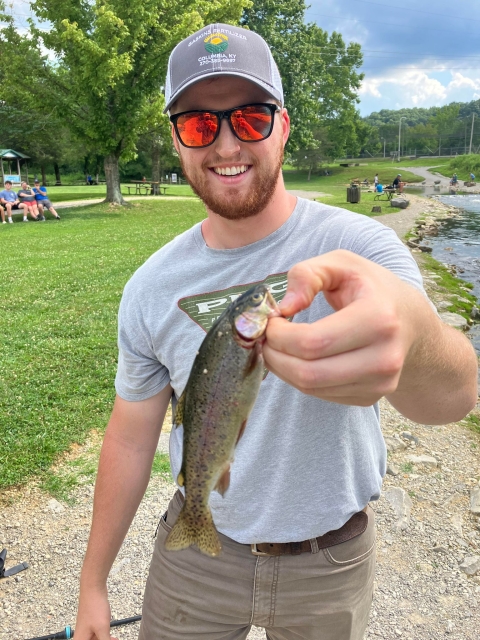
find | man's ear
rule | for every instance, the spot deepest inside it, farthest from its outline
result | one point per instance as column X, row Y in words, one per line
column 285, row 125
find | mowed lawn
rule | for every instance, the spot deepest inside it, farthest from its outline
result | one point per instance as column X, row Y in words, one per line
column 60, row 290
column 85, row 192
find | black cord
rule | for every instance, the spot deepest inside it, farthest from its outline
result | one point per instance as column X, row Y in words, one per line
column 68, row 632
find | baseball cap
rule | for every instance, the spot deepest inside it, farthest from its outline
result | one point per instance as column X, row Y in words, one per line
column 221, row 49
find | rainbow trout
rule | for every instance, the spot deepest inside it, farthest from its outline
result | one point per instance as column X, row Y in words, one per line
column 220, row 393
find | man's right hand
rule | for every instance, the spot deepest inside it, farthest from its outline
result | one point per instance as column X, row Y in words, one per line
column 94, row 615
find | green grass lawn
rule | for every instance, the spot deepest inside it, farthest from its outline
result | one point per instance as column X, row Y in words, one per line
column 60, row 291
column 84, row 192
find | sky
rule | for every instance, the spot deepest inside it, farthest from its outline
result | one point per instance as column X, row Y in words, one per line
column 420, row 53
column 417, row 53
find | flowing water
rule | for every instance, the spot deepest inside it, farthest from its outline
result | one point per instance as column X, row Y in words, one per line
column 458, row 243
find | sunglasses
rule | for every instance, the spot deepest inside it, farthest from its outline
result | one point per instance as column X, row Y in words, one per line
column 249, row 123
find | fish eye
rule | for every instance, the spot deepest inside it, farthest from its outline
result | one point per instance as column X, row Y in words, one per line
column 257, row 297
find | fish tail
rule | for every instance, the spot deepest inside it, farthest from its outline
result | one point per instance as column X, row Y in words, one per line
column 200, row 532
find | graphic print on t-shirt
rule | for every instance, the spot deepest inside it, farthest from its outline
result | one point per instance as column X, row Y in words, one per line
column 205, row 308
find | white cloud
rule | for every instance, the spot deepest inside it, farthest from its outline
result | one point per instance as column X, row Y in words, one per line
column 416, row 88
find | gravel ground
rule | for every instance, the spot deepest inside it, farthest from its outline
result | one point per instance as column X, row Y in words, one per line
column 425, row 523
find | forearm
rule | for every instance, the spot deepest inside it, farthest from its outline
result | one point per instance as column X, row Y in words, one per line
column 122, row 479
column 438, row 383
column 124, row 470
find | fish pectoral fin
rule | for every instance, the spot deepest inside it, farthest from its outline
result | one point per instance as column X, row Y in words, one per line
column 224, row 481
column 242, row 431
column 178, row 417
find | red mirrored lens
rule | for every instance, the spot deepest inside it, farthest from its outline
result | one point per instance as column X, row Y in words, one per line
column 252, row 123
column 197, row 129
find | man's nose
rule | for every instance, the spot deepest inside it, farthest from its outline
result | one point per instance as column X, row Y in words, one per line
column 226, row 144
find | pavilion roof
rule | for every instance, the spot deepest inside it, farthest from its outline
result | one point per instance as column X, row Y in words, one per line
column 10, row 154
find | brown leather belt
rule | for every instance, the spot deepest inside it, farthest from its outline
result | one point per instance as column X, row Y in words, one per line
column 351, row 529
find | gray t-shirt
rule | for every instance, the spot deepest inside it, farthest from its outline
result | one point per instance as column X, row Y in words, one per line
column 303, row 465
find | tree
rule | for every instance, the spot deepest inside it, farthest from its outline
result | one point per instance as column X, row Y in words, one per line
column 319, row 72
column 106, row 64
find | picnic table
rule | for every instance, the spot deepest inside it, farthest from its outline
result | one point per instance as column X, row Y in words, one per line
column 389, row 193
column 146, row 187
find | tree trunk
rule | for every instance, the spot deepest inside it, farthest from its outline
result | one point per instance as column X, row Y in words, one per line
column 44, row 177
column 112, row 178
column 58, row 179
column 156, row 168
column 309, row 173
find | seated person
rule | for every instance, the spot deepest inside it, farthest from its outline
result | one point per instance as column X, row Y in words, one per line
column 9, row 200
column 379, row 188
column 43, row 201
column 27, row 199
column 2, row 213
column 397, row 183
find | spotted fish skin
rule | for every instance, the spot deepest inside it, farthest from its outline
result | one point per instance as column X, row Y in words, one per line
column 219, row 395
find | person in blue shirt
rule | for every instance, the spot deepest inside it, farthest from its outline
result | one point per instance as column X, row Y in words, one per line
column 472, row 177
column 10, row 201
column 43, row 201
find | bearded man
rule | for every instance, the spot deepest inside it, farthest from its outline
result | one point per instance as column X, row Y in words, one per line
column 296, row 527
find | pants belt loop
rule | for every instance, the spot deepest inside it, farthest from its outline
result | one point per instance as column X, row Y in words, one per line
column 314, row 545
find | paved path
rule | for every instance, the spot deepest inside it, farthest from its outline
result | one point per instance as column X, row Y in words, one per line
column 67, row 204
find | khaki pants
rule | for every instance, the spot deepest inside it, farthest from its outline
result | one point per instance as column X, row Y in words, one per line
column 312, row 596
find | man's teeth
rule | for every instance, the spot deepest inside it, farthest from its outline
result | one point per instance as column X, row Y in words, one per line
column 230, row 171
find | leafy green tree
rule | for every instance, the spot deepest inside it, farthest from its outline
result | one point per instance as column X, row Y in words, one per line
column 319, row 72
column 106, row 64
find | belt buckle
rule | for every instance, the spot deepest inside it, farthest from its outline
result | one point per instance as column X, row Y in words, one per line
column 256, row 552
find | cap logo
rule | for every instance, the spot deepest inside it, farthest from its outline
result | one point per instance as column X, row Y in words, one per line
column 216, row 42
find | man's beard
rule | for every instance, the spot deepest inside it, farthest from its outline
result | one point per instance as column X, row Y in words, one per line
column 234, row 206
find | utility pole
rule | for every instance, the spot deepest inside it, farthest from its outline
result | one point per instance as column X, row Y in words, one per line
column 383, row 146
column 399, row 133
column 471, row 135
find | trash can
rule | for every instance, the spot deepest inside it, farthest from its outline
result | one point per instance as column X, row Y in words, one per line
column 353, row 193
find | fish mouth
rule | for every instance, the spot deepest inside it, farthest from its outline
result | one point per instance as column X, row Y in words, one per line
column 250, row 326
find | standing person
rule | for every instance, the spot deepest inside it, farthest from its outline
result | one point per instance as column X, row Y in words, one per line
column 9, row 199
column 375, row 182
column 312, row 456
column 472, row 177
column 43, row 201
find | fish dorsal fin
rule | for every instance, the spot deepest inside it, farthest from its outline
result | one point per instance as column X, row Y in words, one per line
column 178, row 417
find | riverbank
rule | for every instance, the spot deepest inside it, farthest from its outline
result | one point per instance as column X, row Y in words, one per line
column 426, row 526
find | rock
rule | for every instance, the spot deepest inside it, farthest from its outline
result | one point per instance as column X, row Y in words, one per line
column 376, row 209
column 399, row 203
column 443, row 304
column 470, row 565
column 426, row 461
column 394, row 444
column 425, row 249
column 402, row 505
column 475, row 500
column 408, row 436
column 412, row 244
column 475, row 313
column 454, row 320
column 392, row 470
column 55, row 506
